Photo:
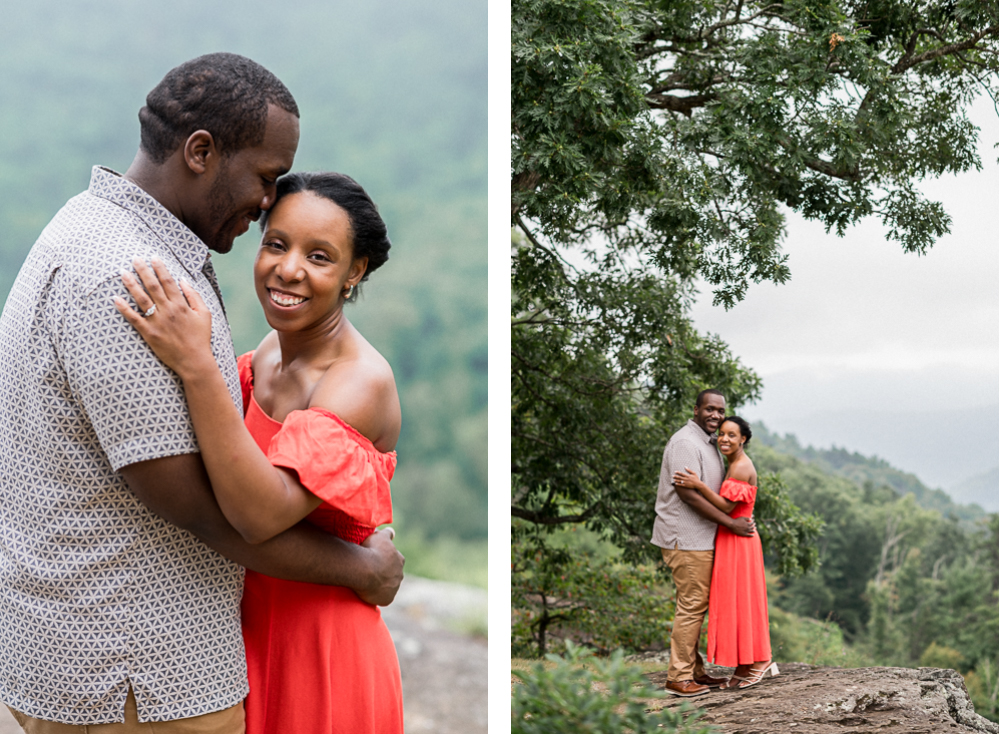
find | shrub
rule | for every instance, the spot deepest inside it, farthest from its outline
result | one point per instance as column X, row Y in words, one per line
column 579, row 693
column 983, row 689
column 941, row 656
column 602, row 603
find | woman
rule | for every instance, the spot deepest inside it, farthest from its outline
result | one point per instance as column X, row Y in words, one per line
column 322, row 420
column 738, row 633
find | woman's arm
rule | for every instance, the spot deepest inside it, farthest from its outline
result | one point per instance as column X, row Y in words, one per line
column 688, row 478
column 258, row 499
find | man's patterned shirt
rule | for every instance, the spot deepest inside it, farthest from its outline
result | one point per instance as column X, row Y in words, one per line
column 677, row 526
column 96, row 592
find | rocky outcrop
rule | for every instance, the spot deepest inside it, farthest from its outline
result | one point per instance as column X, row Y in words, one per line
column 815, row 700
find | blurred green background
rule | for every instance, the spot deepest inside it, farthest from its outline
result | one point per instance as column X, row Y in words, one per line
column 391, row 93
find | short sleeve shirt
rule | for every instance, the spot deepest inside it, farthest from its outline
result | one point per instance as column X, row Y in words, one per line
column 677, row 526
column 96, row 592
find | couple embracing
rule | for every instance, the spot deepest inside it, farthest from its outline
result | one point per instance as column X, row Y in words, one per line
column 144, row 467
column 705, row 530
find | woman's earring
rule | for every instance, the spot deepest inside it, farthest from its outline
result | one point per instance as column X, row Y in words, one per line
column 350, row 292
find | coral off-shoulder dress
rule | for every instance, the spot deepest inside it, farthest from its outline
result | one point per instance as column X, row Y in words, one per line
column 738, row 631
column 320, row 660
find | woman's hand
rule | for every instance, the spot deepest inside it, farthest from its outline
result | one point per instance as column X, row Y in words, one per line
column 172, row 318
column 688, row 478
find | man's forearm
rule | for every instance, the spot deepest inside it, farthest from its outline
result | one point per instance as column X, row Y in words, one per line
column 177, row 489
column 693, row 499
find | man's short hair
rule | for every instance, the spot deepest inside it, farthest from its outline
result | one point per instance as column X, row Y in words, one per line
column 226, row 94
column 709, row 391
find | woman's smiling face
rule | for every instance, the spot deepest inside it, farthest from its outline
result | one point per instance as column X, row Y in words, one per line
column 306, row 262
column 730, row 438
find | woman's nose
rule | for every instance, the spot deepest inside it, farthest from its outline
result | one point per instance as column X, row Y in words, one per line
column 290, row 267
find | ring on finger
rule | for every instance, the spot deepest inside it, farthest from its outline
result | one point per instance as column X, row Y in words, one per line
column 149, row 311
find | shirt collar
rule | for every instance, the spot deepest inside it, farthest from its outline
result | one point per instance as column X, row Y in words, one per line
column 182, row 242
column 709, row 438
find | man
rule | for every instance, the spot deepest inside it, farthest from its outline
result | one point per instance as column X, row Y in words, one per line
column 684, row 530
column 120, row 579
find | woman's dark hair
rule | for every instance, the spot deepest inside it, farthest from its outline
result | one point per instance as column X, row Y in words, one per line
column 744, row 427
column 369, row 237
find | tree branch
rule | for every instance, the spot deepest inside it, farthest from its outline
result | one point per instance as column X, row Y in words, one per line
column 540, row 519
column 684, row 105
column 908, row 60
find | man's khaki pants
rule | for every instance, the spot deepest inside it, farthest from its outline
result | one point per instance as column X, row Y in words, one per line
column 692, row 572
column 227, row 721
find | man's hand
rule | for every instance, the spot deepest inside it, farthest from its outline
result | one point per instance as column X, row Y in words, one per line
column 387, row 567
column 743, row 526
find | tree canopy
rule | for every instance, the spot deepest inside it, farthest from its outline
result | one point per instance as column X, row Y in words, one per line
column 659, row 142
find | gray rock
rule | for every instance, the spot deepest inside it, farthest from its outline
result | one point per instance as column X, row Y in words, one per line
column 805, row 698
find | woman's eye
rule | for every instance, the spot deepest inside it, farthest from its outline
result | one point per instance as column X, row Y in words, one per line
column 319, row 257
column 274, row 244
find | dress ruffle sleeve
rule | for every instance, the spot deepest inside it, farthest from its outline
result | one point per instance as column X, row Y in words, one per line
column 336, row 463
column 737, row 491
column 244, row 364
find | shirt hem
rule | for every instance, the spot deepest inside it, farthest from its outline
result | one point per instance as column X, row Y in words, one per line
column 158, row 714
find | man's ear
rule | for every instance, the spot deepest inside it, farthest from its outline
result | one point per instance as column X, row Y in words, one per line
column 200, row 153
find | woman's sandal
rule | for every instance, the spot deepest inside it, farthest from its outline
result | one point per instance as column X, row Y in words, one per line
column 756, row 676
column 733, row 682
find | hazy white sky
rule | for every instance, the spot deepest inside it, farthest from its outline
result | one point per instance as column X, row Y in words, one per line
column 864, row 326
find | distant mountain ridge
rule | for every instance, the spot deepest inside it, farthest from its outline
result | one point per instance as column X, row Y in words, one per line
column 861, row 469
column 978, row 486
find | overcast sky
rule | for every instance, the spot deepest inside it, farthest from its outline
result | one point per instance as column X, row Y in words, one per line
column 867, row 330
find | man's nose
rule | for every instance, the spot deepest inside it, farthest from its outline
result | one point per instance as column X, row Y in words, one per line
column 270, row 194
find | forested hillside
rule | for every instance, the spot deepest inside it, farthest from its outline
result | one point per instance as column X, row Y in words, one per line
column 905, row 584
column 391, row 93
column 869, row 470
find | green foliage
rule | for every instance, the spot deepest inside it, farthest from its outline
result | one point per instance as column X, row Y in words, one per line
column 656, row 143
column 560, row 594
column 941, row 656
column 907, row 586
column 816, row 642
column 595, row 394
column 391, row 93
column 676, row 130
column 786, row 533
column 983, row 689
column 578, row 693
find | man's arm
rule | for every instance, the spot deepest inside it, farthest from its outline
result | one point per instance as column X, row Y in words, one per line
column 177, row 489
column 743, row 526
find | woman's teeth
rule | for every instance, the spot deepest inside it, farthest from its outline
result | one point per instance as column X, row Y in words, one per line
column 284, row 300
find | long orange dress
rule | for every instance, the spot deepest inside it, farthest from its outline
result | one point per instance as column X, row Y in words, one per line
column 738, row 631
column 320, row 660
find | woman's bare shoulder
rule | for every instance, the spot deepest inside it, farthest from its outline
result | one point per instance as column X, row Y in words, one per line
column 743, row 471
column 361, row 390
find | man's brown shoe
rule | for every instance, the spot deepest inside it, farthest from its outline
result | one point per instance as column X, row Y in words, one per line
column 686, row 688
column 707, row 680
